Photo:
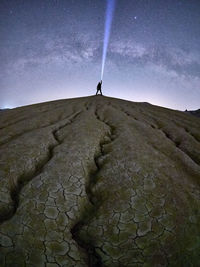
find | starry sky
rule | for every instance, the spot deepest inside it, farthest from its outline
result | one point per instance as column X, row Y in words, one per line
column 52, row 49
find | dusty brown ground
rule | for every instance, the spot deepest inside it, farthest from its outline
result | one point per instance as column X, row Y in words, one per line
column 98, row 181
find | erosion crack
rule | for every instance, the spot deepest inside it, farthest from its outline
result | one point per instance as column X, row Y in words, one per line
column 196, row 138
column 167, row 135
column 177, row 144
column 25, row 178
column 29, row 117
column 28, row 131
column 95, row 200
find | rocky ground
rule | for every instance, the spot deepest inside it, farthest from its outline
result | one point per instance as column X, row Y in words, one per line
column 98, row 181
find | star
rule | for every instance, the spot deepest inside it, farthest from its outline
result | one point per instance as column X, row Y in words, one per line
column 135, row 17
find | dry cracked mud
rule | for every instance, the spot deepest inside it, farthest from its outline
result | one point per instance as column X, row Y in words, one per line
column 98, row 181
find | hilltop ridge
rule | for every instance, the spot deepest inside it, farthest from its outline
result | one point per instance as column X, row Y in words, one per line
column 99, row 181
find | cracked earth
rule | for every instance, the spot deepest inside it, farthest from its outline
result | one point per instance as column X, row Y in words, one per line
column 98, row 181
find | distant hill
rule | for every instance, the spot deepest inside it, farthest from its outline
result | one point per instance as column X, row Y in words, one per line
column 1, row 110
column 194, row 112
column 99, row 181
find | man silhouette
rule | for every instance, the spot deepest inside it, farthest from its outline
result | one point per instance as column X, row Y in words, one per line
column 99, row 88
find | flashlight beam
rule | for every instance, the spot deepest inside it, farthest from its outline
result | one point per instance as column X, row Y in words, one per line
column 107, row 27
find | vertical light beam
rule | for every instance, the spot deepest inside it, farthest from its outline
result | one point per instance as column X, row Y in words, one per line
column 108, row 22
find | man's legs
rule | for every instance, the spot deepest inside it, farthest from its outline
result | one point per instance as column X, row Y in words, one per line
column 98, row 90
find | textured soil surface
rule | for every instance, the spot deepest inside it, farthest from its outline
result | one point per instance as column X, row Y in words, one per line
column 98, row 181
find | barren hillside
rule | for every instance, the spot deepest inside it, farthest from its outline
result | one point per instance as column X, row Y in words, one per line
column 98, row 181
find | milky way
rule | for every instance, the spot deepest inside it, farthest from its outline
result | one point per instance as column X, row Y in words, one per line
column 53, row 49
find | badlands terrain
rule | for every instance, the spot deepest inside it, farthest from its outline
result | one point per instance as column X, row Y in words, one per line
column 98, row 181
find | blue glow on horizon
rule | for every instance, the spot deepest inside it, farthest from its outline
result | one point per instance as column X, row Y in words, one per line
column 107, row 28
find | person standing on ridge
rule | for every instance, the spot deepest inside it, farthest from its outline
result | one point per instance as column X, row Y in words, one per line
column 99, row 88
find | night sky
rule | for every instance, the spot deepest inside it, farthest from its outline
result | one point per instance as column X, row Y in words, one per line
column 52, row 49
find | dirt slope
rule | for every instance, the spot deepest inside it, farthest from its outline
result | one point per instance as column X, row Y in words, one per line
column 98, row 181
